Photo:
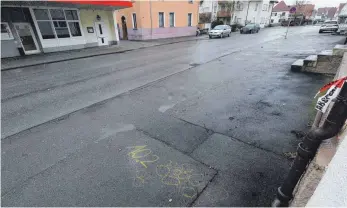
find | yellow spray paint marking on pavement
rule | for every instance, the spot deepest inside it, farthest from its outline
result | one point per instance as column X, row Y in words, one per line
column 170, row 174
column 142, row 155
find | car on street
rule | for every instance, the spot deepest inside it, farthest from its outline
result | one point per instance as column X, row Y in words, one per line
column 250, row 28
column 329, row 25
column 220, row 31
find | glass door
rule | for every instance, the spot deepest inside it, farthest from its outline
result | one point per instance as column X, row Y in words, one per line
column 27, row 38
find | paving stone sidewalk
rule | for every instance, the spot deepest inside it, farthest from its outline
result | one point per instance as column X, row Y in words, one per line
column 124, row 46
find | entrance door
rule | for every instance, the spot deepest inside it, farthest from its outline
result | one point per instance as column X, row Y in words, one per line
column 101, row 32
column 27, row 38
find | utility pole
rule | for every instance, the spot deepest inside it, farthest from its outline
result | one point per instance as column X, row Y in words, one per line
column 285, row 37
column 247, row 13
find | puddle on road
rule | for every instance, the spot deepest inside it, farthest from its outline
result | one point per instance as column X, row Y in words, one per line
column 109, row 132
column 164, row 108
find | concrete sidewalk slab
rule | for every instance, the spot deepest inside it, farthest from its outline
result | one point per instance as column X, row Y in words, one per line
column 123, row 169
column 125, row 46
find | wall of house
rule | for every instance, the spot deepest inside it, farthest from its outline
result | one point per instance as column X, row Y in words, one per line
column 255, row 12
column 88, row 19
column 265, row 13
column 133, row 33
column 206, row 6
column 250, row 12
column 148, row 22
column 278, row 18
column 9, row 48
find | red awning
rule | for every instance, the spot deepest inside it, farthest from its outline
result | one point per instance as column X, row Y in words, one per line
column 124, row 4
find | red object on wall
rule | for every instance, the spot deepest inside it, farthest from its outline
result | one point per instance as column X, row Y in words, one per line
column 124, row 4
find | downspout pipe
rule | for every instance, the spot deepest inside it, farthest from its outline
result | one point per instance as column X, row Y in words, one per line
column 309, row 146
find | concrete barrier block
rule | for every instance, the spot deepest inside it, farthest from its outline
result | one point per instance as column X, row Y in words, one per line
column 297, row 66
column 339, row 50
column 310, row 61
column 325, row 56
column 329, row 67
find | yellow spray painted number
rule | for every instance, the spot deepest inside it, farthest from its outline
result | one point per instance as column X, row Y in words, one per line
column 142, row 155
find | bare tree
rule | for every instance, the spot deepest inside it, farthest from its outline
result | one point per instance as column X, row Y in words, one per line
column 301, row 10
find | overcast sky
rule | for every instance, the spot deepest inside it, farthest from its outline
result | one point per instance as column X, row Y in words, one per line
column 321, row 3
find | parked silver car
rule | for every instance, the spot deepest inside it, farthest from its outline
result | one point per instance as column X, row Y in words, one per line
column 250, row 28
column 220, row 31
column 329, row 25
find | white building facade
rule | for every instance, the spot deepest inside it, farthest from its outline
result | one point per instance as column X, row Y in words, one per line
column 244, row 12
column 258, row 12
column 32, row 27
column 278, row 17
column 206, row 7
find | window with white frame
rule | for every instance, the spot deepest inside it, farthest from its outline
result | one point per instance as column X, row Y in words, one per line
column 189, row 19
column 58, row 23
column 6, row 33
column 134, row 21
column 239, row 6
column 172, row 19
column 161, row 19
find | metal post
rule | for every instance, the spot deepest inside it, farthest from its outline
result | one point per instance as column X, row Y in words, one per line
column 247, row 13
column 285, row 37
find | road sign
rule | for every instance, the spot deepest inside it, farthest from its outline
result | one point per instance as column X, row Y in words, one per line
column 292, row 10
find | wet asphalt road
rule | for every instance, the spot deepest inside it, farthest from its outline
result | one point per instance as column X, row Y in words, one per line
column 201, row 123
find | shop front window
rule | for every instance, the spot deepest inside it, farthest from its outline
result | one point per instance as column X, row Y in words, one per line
column 5, row 32
column 58, row 23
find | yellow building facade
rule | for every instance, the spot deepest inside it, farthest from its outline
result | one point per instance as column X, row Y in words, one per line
column 158, row 19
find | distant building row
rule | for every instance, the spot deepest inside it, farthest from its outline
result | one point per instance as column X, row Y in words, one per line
column 236, row 12
column 281, row 13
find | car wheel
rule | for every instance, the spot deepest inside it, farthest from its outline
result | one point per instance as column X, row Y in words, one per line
column 320, row 31
column 210, row 36
column 228, row 34
column 241, row 32
column 251, row 31
column 221, row 35
column 257, row 30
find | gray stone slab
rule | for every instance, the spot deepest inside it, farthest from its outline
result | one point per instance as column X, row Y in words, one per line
column 310, row 61
column 339, row 50
column 123, row 169
column 252, row 189
column 248, row 176
column 223, row 153
column 326, row 53
column 174, row 132
column 325, row 56
column 297, row 65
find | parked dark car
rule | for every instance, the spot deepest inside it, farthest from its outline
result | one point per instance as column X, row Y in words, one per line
column 250, row 28
column 292, row 23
